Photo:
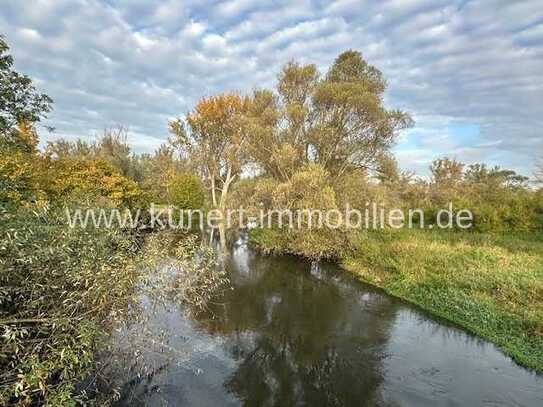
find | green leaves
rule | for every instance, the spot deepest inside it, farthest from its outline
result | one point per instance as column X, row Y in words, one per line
column 58, row 285
column 186, row 192
column 19, row 99
column 338, row 122
column 349, row 66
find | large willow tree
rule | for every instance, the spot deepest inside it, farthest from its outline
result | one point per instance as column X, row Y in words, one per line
column 338, row 121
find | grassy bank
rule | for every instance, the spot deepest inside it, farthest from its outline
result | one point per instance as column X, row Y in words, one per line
column 490, row 285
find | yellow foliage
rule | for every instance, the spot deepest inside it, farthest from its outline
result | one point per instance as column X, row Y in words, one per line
column 89, row 180
column 18, row 181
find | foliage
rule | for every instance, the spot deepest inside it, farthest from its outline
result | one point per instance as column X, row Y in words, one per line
column 19, row 169
column 88, row 181
column 186, row 192
column 308, row 188
column 58, row 288
column 19, row 99
column 215, row 140
column 316, row 244
column 499, row 199
column 114, row 149
column 446, row 173
column 158, row 170
column 152, row 172
column 388, row 172
column 63, row 289
column 177, row 273
column 180, row 270
column 338, row 122
column 29, row 178
column 18, row 181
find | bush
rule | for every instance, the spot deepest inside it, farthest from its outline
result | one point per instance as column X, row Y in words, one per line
column 18, row 181
column 59, row 289
column 89, row 181
column 186, row 192
column 308, row 188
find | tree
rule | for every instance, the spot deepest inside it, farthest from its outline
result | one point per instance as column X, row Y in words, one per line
column 113, row 147
column 338, row 122
column 61, row 148
column 268, row 146
column 18, row 181
column 215, row 139
column 185, row 192
column 495, row 177
column 387, row 169
column 446, row 172
column 20, row 102
column 351, row 126
column 90, row 180
column 158, row 171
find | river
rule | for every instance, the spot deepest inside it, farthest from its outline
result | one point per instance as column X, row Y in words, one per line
column 291, row 332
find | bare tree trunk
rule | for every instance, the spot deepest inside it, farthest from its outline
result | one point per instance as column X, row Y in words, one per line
column 226, row 186
column 222, row 237
column 213, row 194
column 222, row 208
column 211, row 236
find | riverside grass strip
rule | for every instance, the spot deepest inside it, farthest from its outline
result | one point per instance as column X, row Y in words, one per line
column 491, row 285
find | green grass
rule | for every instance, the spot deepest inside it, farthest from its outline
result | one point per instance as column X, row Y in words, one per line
column 490, row 285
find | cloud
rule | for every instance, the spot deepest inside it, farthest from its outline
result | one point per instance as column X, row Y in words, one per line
column 138, row 63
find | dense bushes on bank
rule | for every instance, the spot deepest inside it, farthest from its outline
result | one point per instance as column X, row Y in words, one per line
column 59, row 288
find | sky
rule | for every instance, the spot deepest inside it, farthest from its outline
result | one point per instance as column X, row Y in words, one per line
column 469, row 72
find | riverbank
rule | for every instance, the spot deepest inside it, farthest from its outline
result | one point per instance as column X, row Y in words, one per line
column 62, row 289
column 490, row 285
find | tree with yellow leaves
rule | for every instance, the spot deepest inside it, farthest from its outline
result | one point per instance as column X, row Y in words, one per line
column 215, row 139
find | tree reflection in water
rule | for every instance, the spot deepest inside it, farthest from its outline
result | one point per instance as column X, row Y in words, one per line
column 301, row 335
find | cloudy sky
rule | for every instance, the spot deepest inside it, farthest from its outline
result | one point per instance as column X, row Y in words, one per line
column 469, row 72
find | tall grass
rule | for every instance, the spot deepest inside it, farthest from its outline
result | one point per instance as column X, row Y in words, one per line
column 490, row 285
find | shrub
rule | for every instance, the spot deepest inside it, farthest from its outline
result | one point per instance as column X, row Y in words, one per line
column 186, row 192
column 59, row 288
column 18, row 181
column 89, row 181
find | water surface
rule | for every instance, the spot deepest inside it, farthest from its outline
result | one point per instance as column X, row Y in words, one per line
column 294, row 333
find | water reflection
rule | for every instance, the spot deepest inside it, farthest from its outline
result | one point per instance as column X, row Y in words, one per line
column 295, row 333
column 311, row 342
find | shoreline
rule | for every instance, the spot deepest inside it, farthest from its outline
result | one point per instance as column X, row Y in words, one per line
column 387, row 263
